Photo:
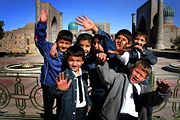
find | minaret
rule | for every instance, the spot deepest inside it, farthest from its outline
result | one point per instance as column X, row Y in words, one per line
column 38, row 10
column 133, row 22
column 160, row 42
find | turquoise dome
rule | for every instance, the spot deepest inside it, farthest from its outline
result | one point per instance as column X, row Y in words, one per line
column 72, row 26
column 168, row 11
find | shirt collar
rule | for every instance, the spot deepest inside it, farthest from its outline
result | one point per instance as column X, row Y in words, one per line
column 80, row 71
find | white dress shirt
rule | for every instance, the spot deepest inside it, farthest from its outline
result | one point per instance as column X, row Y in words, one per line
column 128, row 103
column 83, row 103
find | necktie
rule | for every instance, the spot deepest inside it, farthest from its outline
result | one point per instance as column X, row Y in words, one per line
column 136, row 98
column 80, row 89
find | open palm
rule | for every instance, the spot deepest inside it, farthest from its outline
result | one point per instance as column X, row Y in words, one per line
column 62, row 82
column 85, row 22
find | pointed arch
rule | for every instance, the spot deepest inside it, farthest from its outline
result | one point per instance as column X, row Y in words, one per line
column 142, row 25
column 54, row 28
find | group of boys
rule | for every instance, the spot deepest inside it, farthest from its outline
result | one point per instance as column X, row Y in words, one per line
column 121, row 66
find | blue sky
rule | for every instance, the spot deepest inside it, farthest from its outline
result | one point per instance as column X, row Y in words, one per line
column 17, row 13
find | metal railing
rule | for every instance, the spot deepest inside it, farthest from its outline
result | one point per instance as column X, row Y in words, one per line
column 21, row 96
column 173, row 102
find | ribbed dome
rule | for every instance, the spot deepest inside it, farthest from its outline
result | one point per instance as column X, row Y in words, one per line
column 72, row 26
column 168, row 11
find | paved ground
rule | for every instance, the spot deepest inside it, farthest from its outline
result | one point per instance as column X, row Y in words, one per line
column 160, row 69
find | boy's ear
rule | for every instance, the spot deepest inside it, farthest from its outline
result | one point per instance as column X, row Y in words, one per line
column 83, row 62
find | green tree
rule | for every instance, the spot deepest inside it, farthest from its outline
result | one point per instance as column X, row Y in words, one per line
column 176, row 42
column 1, row 29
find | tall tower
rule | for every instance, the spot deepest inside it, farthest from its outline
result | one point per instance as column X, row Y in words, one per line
column 160, row 42
column 133, row 22
column 38, row 10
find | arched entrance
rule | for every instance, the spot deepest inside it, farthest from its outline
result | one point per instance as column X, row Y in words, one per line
column 54, row 28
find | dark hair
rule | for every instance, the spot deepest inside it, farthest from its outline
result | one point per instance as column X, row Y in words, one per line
column 75, row 51
column 141, row 33
column 99, row 37
column 84, row 36
column 65, row 35
column 125, row 33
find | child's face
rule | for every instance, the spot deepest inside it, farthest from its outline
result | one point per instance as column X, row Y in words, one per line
column 75, row 63
column 121, row 42
column 63, row 45
column 86, row 45
column 97, row 45
column 140, row 40
column 138, row 75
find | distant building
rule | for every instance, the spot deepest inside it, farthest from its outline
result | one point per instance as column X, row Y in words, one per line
column 22, row 39
column 54, row 23
column 73, row 27
column 19, row 41
column 157, row 19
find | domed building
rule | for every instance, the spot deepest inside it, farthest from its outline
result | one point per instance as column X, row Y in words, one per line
column 170, row 30
column 168, row 15
column 157, row 19
column 73, row 27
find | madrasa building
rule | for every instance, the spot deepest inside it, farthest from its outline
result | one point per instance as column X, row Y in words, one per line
column 153, row 16
column 157, row 19
column 21, row 40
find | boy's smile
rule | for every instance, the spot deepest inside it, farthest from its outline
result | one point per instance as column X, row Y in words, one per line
column 121, row 42
column 86, row 45
column 63, row 45
column 140, row 40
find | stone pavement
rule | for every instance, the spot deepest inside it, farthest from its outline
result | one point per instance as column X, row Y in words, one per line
column 160, row 72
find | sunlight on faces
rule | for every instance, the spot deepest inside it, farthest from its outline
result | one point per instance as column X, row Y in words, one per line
column 140, row 40
column 121, row 42
column 63, row 45
column 138, row 75
column 97, row 45
column 75, row 63
column 86, row 45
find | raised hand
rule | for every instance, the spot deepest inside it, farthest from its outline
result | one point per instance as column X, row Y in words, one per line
column 163, row 85
column 62, row 82
column 86, row 23
column 43, row 16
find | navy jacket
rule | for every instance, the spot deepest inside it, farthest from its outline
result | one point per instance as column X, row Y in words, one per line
column 114, row 62
column 107, row 43
column 51, row 66
column 68, row 98
column 146, row 54
column 99, row 91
